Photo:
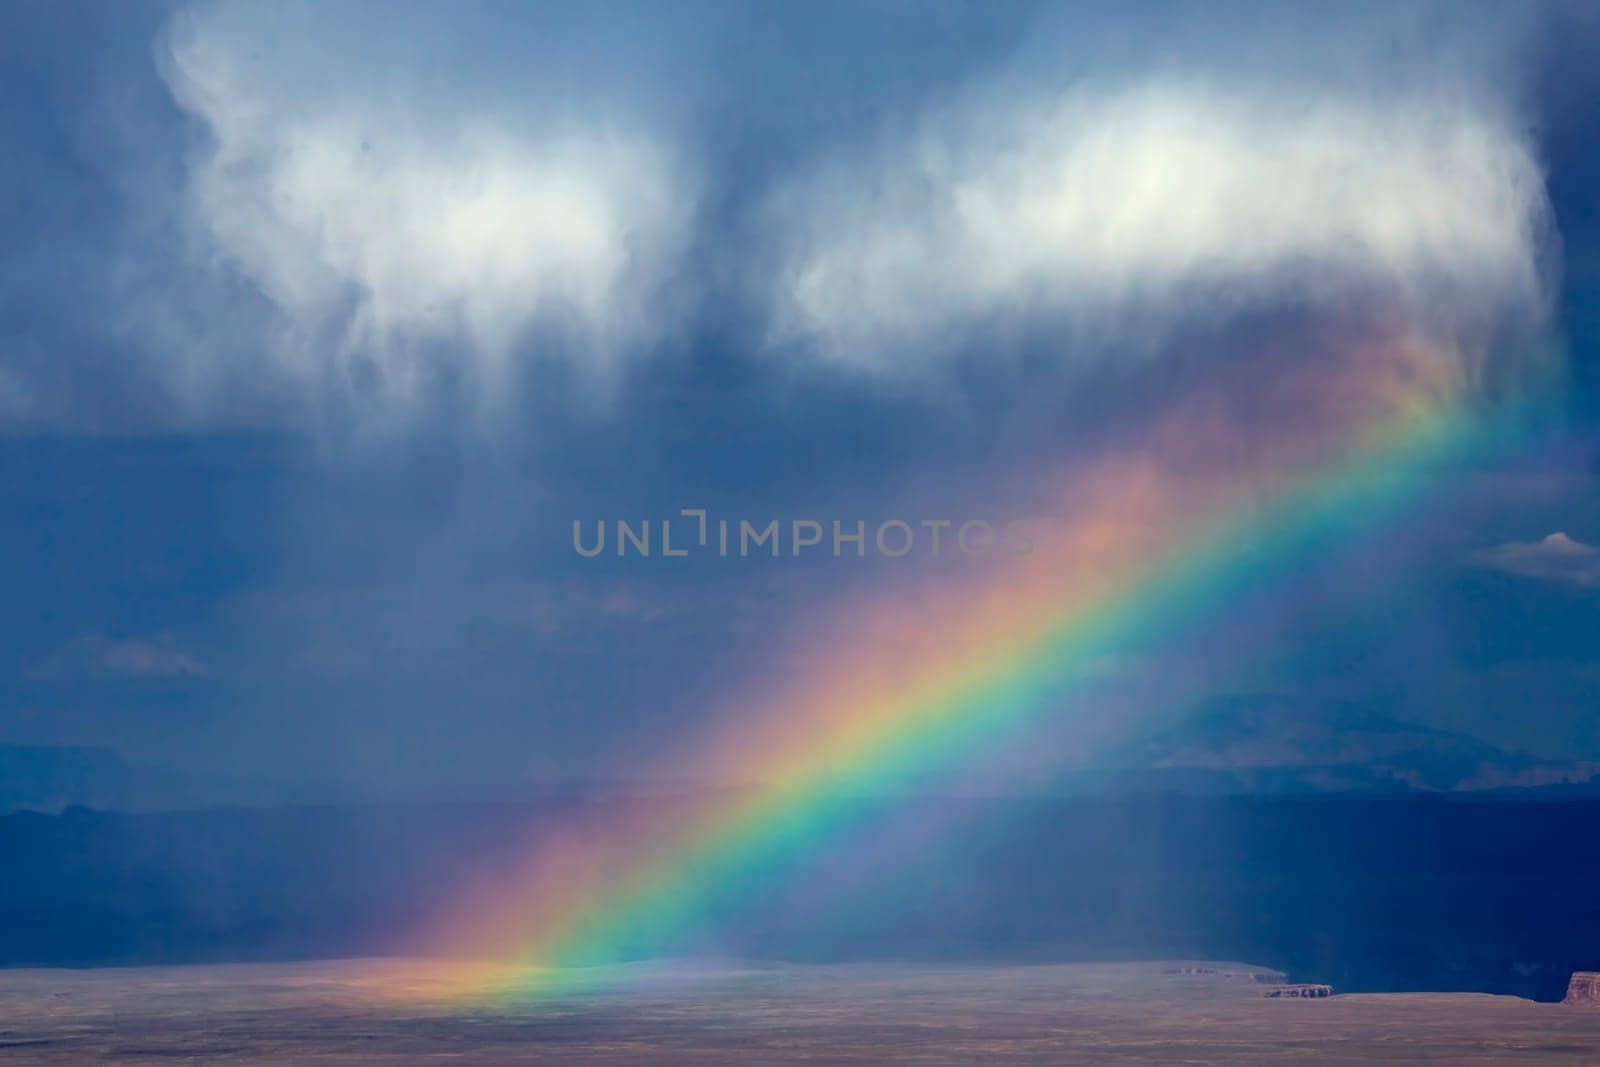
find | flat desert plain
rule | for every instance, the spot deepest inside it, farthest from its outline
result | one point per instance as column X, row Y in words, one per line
column 396, row 1011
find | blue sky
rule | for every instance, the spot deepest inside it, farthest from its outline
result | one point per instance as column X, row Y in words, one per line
column 319, row 326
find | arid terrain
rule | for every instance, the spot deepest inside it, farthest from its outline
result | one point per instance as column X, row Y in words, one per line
column 387, row 1011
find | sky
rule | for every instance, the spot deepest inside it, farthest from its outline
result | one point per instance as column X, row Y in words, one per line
column 321, row 326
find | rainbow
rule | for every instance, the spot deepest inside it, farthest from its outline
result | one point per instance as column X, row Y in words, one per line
column 1150, row 537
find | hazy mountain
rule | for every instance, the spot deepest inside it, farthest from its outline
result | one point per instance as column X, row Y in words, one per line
column 49, row 778
column 1249, row 744
column 1271, row 744
column 46, row 778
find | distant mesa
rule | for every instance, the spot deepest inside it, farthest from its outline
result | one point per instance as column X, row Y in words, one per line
column 1299, row 992
column 1584, row 989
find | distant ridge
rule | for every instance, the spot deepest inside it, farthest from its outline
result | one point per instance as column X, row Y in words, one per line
column 1239, row 745
column 52, row 778
column 1267, row 744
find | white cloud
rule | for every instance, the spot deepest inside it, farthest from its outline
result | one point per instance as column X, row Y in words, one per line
column 1135, row 200
column 395, row 220
column 1557, row 558
column 376, row 208
column 160, row 658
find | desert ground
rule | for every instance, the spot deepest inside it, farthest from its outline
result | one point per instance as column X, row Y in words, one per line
column 389, row 1011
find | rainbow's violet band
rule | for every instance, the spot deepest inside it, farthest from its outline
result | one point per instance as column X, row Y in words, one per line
column 1157, row 541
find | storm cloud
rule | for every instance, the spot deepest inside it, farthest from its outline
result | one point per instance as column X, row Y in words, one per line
column 389, row 228
column 323, row 323
column 1123, row 198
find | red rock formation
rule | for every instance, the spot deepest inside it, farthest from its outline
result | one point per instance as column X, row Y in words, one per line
column 1300, row 992
column 1584, row 988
